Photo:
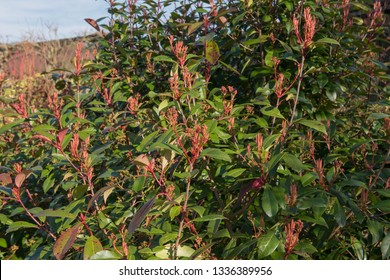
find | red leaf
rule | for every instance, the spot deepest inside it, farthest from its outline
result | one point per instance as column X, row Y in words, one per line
column 61, row 135
column 5, row 179
column 44, row 138
column 65, row 242
column 20, row 179
column 140, row 215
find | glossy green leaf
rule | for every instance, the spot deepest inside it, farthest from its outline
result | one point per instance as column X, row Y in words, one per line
column 234, row 172
column 272, row 112
column 56, row 213
column 209, row 218
column 385, row 246
column 327, row 41
column 358, row 248
column 20, row 225
column 293, row 162
column 139, row 183
column 267, row 244
column 163, row 58
column 376, row 230
column 269, row 202
column 3, row 243
column 339, row 213
column 174, row 212
column 106, row 255
column 216, row 154
column 92, row 246
column 313, row 124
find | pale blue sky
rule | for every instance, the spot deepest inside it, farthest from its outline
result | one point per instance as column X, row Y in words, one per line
column 19, row 18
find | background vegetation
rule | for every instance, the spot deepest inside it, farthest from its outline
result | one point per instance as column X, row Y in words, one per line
column 220, row 130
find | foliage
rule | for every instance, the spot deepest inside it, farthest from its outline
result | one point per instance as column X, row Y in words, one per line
column 222, row 130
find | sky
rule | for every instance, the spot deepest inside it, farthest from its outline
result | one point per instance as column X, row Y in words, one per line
column 23, row 19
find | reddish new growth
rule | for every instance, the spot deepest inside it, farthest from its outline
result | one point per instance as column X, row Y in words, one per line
column 56, row 104
column 179, row 50
column 188, row 78
column 174, row 85
column 171, row 115
column 376, row 16
column 20, row 107
column 346, row 8
column 291, row 199
column 74, row 146
column 228, row 104
column 133, row 103
column 78, row 58
column 309, row 29
column 292, row 230
column 199, row 137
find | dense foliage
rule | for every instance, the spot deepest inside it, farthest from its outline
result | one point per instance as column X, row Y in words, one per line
column 208, row 130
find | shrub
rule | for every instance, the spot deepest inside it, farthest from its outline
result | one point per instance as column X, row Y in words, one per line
column 226, row 130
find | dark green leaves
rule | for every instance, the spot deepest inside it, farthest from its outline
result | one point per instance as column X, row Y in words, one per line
column 216, row 154
column 269, row 202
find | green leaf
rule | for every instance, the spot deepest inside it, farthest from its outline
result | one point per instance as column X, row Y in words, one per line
column 313, row 124
column 167, row 238
column 139, row 183
column 43, row 128
column 216, row 154
column 209, row 218
column 327, row 41
column 20, row 225
column 234, row 172
column 212, row 52
column 376, row 230
column 269, row 202
column 8, row 126
column 163, row 58
column 385, row 246
column 56, row 213
column 358, row 248
column 3, row 243
column 229, row 67
column 308, row 178
column 182, row 252
column 48, row 183
column 339, row 213
column 198, row 209
column 378, row 116
column 223, row 233
column 293, row 162
column 174, row 212
column 237, row 250
column 267, row 244
column 65, row 242
column 92, row 246
column 140, row 215
column 106, row 255
column 272, row 112
column 383, row 205
column 193, row 27
column 146, row 141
